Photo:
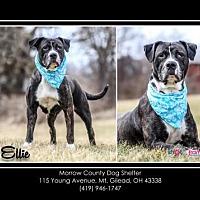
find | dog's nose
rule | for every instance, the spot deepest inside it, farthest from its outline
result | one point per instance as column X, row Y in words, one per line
column 53, row 56
column 171, row 65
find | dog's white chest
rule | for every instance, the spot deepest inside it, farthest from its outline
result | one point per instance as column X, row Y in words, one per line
column 175, row 134
column 47, row 96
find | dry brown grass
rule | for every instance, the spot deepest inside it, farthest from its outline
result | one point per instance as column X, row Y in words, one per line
column 13, row 132
column 140, row 154
column 42, row 151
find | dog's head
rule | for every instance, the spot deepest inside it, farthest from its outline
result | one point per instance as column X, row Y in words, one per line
column 170, row 60
column 51, row 51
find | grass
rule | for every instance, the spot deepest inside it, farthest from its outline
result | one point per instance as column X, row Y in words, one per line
column 140, row 154
column 106, row 149
column 42, row 151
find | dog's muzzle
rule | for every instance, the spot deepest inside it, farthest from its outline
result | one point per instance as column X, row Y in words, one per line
column 171, row 72
column 53, row 61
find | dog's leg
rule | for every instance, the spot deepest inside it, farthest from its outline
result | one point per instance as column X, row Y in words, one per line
column 31, row 120
column 190, row 137
column 83, row 111
column 66, row 103
column 51, row 119
column 32, row 106
column 69, row 119
column 190, row 141
column 86, row 117
column 153, row 142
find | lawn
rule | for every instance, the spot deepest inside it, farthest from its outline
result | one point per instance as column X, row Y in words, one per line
column 140, row 154
column 42, row 151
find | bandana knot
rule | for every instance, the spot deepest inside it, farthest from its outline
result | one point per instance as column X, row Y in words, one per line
column 53, row 78
column 172, row 108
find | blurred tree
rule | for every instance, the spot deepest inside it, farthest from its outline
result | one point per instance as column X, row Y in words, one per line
column 99, row 43
column 133, row 76
column 132, row 67
column 14, row 58
column 129, row 38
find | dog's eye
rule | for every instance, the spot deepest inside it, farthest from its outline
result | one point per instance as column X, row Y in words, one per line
column 161, row 55
column 45, row 48
column 179, row 55
column 58, row 47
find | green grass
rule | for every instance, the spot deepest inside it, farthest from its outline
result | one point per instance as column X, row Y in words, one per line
column 141, row 154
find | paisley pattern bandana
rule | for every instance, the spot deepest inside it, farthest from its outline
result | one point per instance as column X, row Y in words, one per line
column 172, row 108
column 54, row 78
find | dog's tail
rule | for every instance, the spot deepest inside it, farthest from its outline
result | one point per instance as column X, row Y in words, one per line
column 98, row 95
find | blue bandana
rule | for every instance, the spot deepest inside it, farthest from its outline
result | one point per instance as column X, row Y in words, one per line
column 54, row 78
column 172, row 108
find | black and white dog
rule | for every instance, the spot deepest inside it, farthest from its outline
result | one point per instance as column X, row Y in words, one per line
column 53, row 91
column 163, row 117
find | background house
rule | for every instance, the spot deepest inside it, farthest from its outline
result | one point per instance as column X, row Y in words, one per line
column 193, row 76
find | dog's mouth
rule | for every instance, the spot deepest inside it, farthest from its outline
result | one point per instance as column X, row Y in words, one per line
column 171, row 79
column 53, row 65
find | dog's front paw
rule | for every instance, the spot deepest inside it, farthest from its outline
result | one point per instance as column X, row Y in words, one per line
column 26, row 144
column 71, row 146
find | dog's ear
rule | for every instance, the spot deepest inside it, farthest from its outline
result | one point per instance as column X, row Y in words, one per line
column 35, row 42
column 191, row 49
column 150, row 49
column 66, row 43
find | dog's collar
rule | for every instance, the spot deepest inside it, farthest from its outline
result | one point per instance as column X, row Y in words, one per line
column 172, row 108
column 54, row 78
